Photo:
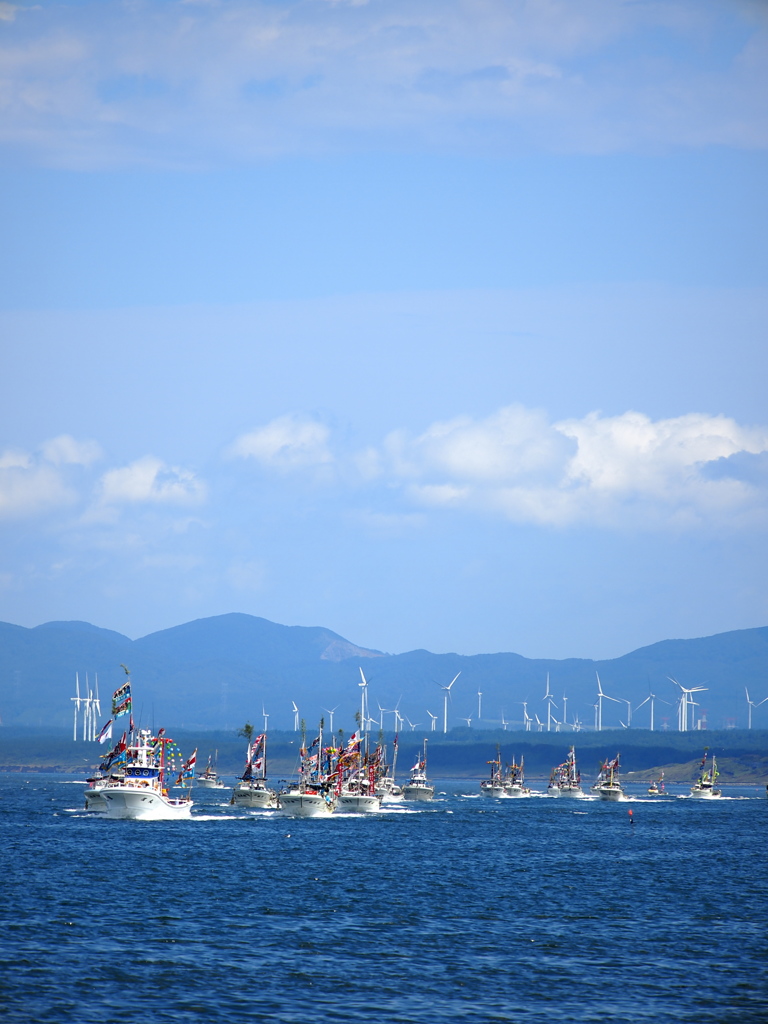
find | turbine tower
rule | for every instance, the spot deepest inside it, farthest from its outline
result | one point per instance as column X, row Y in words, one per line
column 329, row 712
column 295, row 716
column 445, row 701
column 684, row 703
column 751, row 704
column 433, row 722
column 551, row 703
column 77, row 701
column 600, row 698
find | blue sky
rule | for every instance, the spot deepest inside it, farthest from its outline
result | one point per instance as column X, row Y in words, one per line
column 440, row 324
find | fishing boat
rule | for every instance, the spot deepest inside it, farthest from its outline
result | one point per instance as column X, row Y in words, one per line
column 514, row 782
column 313, row 795
column 565, row 779
column 142, row 793
column 387, row 789
column 608, row 786
column 656, row 787
column 494, row 785
column 356, row 769
column 418, row 786
column 358, row 793
column 208, row 778
column 251, row 789
column 704, row 787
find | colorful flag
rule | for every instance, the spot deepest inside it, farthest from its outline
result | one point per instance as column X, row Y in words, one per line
column 121, row 701
column 106, row 733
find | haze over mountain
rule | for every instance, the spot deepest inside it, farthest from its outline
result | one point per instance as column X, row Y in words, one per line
column 215, row 673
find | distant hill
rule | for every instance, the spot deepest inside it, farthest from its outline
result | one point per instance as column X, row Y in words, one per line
column 217, row 672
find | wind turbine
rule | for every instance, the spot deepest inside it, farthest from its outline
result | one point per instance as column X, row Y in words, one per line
column 684, row 702
column 295, row 716
column 565, row 710
column 629, row 711
column 96, row 706
column 479, row 705
column 382, row 712
column 266, row 716
column 365, row 714
column 445, row 700
column 413, row 725
column 329, row 712
column 600, row 698
column 77, row 700
column 751, row 704
column 526, row 717
column 504, row 722
column 651, row 697
column 468, row 721
column 538, row 722
column 548, row 697
column 434, row 720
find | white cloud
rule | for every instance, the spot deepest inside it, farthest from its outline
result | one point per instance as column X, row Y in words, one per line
column 31, row 489
column 286, row 443
column 149, row 479
column 99, row 83
column 625, row 470
column 33, row 482
column 66, row 450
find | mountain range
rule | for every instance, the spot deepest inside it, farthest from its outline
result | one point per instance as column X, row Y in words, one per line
column 218, row 672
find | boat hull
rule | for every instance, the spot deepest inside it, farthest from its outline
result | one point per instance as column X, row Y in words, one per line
column 356, row 803
column 262, row 798
column 515, row 792
column 209, row 783
column 418, row 792
column 95, row 802
column 305, row 805
column 143, row 804
column 610, row 793
column 705, row 794
column 567, row 792
column 492, row 791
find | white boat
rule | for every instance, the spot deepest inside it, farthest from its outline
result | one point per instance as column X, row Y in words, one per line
column 209, row 777
column 656, row 788
column 142, row 793
column 704, row 787
column 251, row 789
column 418, row 786
column 307, row 800
column 387, row 789
column 514, row 782
column 94, row 800
column 565, row 779
column 358, row 795
column 494, row 786
column 608, row 786
column 314, row 794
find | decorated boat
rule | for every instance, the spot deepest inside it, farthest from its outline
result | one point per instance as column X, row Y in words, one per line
column 656, row 786
column 387, row 789
column 608, row 785
column 112, row 764
column 208, row 778
column 314, row 793
column 494, row 785
column 565, row 779
column 704, row 786
column 251, row 789
column 143, row 792
column 514, row 781
column 418, row 786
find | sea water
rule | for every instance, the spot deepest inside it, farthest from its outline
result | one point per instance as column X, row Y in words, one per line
column 466, row 909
